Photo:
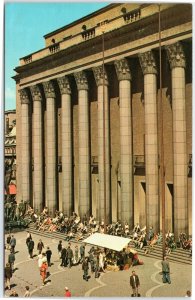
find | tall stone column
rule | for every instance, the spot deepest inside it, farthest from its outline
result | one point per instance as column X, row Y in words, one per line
column 177, row 62
column 102, row 84
column 66, row 129
column 84, row 149
column 126, row 171
column 25, row 145
column 51, row 168
column 148, row 65
column 37, row 149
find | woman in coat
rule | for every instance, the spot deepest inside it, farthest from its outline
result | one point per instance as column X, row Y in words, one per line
column 43, row 271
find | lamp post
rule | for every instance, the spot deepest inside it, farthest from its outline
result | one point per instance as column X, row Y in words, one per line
column 162, row 168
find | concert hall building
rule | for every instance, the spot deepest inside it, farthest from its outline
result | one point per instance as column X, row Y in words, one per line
column 91, row 110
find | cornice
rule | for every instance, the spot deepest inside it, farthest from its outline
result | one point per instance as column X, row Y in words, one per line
column 118, row 37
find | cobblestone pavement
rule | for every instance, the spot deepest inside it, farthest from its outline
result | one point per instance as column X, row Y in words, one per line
column 109, row 284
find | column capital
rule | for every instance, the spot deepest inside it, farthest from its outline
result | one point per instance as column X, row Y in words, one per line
column 24, row 96
column 176, row 55
column 49, row 89
column 98, row 74
column 122, row 69
column 35, row 92
column 147, row 62
column 81, row 80
column 64, row 85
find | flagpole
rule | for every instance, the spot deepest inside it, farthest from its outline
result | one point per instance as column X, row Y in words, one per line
column 162, row 169
column 104, row 129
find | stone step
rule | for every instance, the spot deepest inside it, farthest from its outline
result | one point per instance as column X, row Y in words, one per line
column 178, row 256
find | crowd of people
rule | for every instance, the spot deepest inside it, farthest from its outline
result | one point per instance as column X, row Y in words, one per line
column 75, row 228
column 97, row 259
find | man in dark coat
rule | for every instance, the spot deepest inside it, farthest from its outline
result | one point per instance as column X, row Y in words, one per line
column 82, row 252
column 40, row 246
column 134, row 283
column 48, row 255
column 11, row 259
column 69, row 255
column 13, row 243
column 8, row 276
column 165, row 270
column 8, row 241
column 31, row 245
column 85, row 267
column 63, row 257
column 59, row 248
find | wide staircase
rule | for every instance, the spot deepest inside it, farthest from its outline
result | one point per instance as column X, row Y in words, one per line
column 178, row 256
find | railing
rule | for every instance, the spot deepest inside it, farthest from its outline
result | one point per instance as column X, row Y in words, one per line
column 27, row 59
column 88, row 34
column 132, row 15
column 54, row 48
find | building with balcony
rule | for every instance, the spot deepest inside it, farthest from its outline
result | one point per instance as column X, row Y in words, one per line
column 89, row 114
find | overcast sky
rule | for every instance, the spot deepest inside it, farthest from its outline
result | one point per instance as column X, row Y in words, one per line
column 25, row 26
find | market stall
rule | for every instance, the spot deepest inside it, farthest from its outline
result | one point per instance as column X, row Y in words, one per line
column 118, row 253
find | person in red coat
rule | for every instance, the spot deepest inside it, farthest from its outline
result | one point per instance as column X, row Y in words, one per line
column 67, row 292
column 43, row 271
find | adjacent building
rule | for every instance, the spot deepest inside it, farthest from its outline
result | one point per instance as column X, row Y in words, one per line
column 89, row 115
column 10, row 151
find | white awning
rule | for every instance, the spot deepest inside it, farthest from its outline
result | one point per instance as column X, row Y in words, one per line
column 116, row 243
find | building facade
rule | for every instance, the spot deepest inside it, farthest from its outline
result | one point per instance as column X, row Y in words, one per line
column 89, row 115
column 10, row 152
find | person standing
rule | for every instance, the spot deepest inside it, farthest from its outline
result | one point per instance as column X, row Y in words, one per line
column 48, row 255
column 96, row 266
column 134, row 283
column 69, row 254
column 43, row 271
column 40, row 246
column 28, row 238
column 59, row 248
column 67, row 292
column 8, row 241
column 27, row 292
column 85, row 267
column 82, row 252
column 31, row 245
column 40, row 260
column 11, row 259
column 8, row 275
column 63, row 257
column 13, row 243
column 91, row 260
column 76, row 255
column 165, row 270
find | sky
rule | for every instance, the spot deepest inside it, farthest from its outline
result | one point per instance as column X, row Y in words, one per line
column 24, row 27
